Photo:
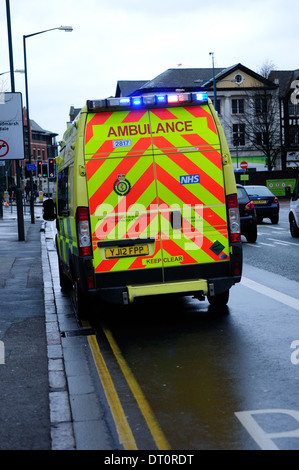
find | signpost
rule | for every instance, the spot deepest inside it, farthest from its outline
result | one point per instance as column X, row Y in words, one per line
column 12, row 141
column 11, row 127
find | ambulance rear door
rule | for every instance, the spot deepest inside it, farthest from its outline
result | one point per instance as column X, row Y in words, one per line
column 122, row 197
column 190, row 190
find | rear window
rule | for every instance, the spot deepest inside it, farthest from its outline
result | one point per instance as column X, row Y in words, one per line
column 242, row 193
column 258, row 191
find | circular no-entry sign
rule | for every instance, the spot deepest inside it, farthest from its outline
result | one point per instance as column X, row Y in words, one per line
column 4, row 148
column 244, row 165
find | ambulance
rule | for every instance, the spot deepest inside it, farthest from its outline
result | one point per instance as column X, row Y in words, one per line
column 147, row 201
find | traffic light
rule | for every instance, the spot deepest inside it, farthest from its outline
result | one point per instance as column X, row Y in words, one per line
column 39, row 169
column 51, row 167
column 45, row 170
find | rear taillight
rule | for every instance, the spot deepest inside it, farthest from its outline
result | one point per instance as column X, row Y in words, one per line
column 234, row 218
column 249, row 206
column 83, row 231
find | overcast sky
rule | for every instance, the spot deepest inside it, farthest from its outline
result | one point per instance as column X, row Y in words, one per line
column 135, row 40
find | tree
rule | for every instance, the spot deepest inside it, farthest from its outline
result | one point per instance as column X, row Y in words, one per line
column 266, row 68
column 260, row 123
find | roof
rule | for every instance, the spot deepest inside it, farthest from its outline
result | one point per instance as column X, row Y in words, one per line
column 127, row 87
column 284, row 79
column 186, row 78
column 225, row 72
column 36, row 128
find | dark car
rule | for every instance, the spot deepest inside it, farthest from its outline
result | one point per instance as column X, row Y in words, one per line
column 247, row 215
column 266, row 204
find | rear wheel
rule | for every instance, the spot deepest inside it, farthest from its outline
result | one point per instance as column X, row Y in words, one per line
column 275, row 219
column 80, row 302
column 251, row 235
column 65, row 283
column 219, row 300
column 294, row 227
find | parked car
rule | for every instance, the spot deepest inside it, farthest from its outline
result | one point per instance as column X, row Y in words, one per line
column 294, row 212
column 247, row 215
column 266, row 204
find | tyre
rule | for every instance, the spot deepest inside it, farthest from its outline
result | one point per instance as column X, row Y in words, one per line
column 275, row 219
column 251, row 235
column 80, row 302
column 65, row 283
column 294, row 227
column 219, row 300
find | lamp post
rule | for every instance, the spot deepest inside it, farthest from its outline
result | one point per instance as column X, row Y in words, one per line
column 214, row 82
column 61, row 28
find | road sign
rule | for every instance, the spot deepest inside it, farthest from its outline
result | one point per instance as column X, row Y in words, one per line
column 244, row 177
column 244, row 165
column 4, row 148
column 31, row 167
column 11, row 126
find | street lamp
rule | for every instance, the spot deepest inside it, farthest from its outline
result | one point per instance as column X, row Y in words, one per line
column 16, row 71
column 214, row 82
column 61, row 28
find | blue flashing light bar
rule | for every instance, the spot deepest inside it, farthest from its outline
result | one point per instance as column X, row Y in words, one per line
column 150, row 100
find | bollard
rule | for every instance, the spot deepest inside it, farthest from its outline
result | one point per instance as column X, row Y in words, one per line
column 1, row 205
column 20, row 215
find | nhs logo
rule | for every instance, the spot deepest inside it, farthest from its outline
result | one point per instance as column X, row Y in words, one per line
column 189, row 179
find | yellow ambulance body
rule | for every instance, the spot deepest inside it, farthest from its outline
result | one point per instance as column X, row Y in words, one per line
column 147, row 201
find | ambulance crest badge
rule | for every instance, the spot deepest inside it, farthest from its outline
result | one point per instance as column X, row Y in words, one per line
column 122, row 185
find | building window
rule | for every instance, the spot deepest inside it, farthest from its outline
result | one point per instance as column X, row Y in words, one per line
column 294, row 136
column 261, row 138
column 238, row 78
column 293, row 109
column 238, row 135
column 238, row 106
column 43, row 154
column 218, row 106
column 260, row 105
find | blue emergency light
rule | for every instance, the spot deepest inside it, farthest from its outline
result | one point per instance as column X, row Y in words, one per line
column 124, row 101
column 137, row 101
column 201, row 96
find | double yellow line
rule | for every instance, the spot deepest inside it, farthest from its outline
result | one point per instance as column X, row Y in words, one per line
column 126, row 437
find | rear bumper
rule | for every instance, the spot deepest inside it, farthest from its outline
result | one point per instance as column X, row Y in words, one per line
column 194, row 279
column 196, row 287
column 265, row 211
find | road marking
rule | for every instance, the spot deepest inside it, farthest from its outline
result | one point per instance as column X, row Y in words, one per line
column 266, row 244
column 145, row 409
column 281, row 243
column 287, row 242
column 126, row 437
column 262, row 438
column 273, row 294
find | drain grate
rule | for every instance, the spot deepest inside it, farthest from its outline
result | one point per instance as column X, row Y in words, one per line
column 78, row 332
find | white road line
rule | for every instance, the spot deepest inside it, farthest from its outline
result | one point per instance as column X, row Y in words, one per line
column 266, row 244
column 282, row 241
column 273, row 294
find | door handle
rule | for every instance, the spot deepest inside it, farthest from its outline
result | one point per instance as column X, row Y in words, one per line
column 176, row 220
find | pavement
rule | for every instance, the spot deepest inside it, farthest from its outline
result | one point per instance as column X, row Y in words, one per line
column 49, row 393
